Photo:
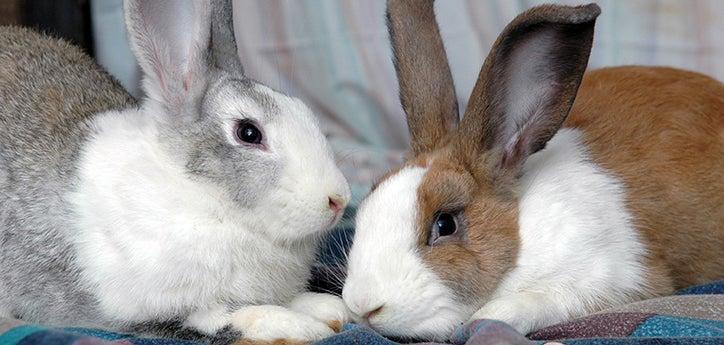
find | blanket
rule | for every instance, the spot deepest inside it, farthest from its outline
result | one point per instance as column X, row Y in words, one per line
column 692, row 316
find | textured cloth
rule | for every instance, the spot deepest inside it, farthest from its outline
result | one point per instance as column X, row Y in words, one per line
column 641, row 323
column 335, row 55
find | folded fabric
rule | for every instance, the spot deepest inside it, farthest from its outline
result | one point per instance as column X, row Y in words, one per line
column 692, row 316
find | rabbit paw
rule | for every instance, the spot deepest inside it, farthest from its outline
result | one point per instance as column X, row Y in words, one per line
column 327, row 308
column 208, row 321
column 524, row 311
column 271, row 322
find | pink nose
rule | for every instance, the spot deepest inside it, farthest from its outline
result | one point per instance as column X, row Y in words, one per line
column 336, row 204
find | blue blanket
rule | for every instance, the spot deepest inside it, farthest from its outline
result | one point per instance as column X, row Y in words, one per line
column 693, row 316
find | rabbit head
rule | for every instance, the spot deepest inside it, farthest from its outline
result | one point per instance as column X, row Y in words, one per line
column 436, row 235
column 263, row 148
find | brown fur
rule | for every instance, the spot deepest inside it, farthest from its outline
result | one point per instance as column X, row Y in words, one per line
column 481, row 130
column 660, row 130
column 422, row 81
column 335, row 325
column 474, row 261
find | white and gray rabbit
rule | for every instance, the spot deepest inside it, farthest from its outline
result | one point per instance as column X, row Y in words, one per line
column 202, row 206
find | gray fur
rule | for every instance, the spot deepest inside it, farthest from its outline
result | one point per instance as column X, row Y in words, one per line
column 48, row 91
column 210, row 157
column 223, row 41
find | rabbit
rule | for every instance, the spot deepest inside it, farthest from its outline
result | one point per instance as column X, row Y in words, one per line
column 197, row 210
column 556, row 195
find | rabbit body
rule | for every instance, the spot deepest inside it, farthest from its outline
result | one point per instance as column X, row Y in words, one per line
column 49, row 90
column 558, row 194
column 201, row 207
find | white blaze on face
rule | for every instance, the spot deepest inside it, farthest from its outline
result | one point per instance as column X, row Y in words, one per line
column 385, row 269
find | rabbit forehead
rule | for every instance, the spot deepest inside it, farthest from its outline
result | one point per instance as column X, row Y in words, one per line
column 232, row 99
column 235, row 99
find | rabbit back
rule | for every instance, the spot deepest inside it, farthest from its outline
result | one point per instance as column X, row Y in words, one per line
column 667, row 147
column 49, row 89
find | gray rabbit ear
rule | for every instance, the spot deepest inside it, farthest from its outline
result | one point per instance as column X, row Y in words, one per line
column 224, row 51
column 170, row 40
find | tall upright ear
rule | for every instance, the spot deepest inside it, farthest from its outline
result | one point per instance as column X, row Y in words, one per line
column 427, row 92
column 528, row 83
column 223, row 41
column 170, row 39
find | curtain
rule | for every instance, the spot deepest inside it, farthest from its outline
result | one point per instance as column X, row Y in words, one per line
column 335, row 55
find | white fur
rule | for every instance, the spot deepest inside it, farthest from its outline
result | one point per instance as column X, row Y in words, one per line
column 384, row 268
column 270, row 322
column 154, row 243
column 323, row 307
column 307, row 318
column 578, row 250
column 209, row 320
column 311, row 174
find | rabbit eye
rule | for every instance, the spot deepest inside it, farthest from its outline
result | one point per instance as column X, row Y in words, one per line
column 444, row 224
column 248, row 133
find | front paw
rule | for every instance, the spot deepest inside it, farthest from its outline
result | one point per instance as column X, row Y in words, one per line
column 270, row 322
column 512, row 310
column 524, row 311
column 327, row 308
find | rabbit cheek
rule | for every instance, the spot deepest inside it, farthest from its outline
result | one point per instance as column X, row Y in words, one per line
column 472, row 260
column 473, row 267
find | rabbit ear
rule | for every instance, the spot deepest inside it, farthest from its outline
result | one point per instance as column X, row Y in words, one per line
column 529, row 82
column 170, row 39
column 223, row 41
column 427, row 92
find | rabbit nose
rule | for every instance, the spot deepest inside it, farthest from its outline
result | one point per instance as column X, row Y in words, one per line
column 336, row 203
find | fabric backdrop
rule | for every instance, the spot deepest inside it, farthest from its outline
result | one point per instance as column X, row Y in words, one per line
column 335, row 55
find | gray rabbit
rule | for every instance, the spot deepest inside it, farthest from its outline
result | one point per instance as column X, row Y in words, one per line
column 200, row 207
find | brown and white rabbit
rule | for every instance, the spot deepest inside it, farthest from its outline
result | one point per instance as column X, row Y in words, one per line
column 535, row 209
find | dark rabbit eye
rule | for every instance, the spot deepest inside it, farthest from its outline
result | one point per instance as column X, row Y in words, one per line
column 248, row 133
column 443, row 225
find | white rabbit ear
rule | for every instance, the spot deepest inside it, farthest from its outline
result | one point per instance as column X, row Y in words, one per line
column 170, row 39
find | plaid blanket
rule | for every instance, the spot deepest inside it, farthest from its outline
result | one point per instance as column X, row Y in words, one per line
column 692, row 316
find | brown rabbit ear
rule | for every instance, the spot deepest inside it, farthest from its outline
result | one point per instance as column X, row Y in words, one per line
column 223, row 41
column 427, row 92
column 528, row 83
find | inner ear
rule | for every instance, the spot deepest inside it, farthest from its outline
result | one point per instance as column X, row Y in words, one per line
column 528, row 84
column 532, row 82
column 170, row 40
